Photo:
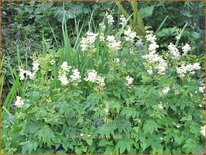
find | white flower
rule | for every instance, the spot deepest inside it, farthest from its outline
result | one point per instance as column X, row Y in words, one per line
column 88, row 41
column 111, row 38
column 150, row 72
column 153, row 46
column 196, row 66
column 186, row 48
column 178, row 125
column 122, row 19
column 129, row 80
column 26, row 73
column 177, row 37
column 100, row 81
column 190, row 68
column 19, row 102
column 129, row 35
column 75, row 77
column 165, row 90
column 150, row 38
column 35, row 66
column 110, row 19
column 91, row 37
column 160, row 106
column 63, row 78
column 156, row 61
column 21, row 74
column 52, row 62
column 202, row 131
column 112, row 43
column 81, row 134
column 65, row 66
column 116, row 60
column 31, row 75
column 201, row 89
column 173, row 50
column 91, row 76
column 102, row 26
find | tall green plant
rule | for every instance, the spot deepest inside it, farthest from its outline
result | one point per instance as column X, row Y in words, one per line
column 137, row 22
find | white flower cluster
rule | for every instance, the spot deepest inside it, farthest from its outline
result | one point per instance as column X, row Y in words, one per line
column 165, row 90
column 190, row 68
column 25, row 73
column 112, row 43
column 75, row 76
column 116, row 60
column 202, row 131
column 88, row 41
column 202, row 88
column 154, row 61
column 151, row 38
column 122, row 19
column 94, row 78
column 129, row 35
column 19, row 102
column 174, row 51
column 110, row 19
column 102, row 27
column 186, row 48
column 63, row 73
column 129, row 80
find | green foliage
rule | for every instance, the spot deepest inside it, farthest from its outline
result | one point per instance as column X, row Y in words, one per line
column 116, row 118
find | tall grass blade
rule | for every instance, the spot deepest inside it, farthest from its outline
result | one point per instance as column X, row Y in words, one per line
column 159, row 28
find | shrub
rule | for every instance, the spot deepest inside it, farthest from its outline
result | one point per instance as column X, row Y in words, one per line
column 112, row 92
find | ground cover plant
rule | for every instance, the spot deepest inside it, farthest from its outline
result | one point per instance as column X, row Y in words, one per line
column 108, row 91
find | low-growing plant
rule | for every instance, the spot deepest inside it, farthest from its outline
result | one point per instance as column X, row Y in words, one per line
column 113, row 92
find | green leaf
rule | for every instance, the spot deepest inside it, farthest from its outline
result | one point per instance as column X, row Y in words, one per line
column 178, row 139
column 147, row 11
column 124, row 145
column 46, row 135
column 167, row 31
column 89, row 142
column 109, row 150
column 78, row 150
column 66, row 144
column 150, row 126
column 190, row 146
column 29, row 146
column 143, row 145
column 128, row 112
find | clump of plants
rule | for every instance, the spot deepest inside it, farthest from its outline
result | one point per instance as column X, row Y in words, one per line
column 111, row 92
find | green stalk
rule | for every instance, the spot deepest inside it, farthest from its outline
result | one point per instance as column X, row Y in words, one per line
column 52, row 30
column 181, row 33
column 123, row 11
column 134, row 7
column 162, row 24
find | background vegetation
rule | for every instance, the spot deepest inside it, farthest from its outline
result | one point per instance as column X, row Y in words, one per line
column 27, row 26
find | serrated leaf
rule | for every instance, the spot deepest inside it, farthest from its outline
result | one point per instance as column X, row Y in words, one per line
column 46, row 135
column 128, row 112
column 124, row 145
column 150, row 126
column 29, row 146
column 109, row 150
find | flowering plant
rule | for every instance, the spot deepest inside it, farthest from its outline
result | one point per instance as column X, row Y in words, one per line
column 110, row 92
